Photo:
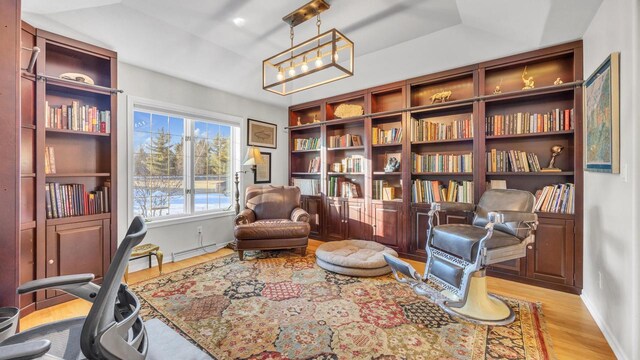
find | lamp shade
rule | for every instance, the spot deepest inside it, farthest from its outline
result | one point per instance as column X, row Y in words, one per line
column 253, row 157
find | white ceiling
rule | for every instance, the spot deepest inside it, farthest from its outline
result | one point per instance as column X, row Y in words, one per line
column 196, row 40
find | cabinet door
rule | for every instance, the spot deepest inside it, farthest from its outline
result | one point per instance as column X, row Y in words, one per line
column 356, row 219
column 550, row 258
column 387, row 224
column 335, row 222
column 313, row 205
column 77, row 248
column 419, row 227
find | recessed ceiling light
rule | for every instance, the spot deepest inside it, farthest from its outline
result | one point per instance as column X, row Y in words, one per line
column 239, row 21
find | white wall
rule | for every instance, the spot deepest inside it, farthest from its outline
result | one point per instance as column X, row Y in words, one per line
column 142, row 83
column 611, row 211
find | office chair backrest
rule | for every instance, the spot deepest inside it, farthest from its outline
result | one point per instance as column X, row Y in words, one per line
column 505, row 200
column 113, row 329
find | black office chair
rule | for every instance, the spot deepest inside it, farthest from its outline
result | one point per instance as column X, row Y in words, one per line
column 457, row 254
column 113, row 328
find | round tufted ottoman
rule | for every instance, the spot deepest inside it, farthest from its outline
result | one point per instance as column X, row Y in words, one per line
column 354, row 257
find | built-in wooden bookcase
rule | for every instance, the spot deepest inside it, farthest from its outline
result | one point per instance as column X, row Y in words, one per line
column 458, row 105
column 83, row 154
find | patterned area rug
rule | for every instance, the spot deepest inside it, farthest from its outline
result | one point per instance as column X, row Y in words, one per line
column 278, row 305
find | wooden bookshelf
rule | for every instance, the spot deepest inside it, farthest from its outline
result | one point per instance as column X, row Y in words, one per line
column 80, row 243
column 555, row 260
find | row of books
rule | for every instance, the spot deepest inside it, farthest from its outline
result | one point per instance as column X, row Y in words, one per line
column 64, row 200
column 78, row 118
column 353, row 164
column 430, row 130
column 314, row 165
column 391, row 136
column 345, row 140
column 512, row 161
column 307, row 186
column 442, row 162
column 383, row 191
column 528, row 123
column 340, row 187
column 49, row 160
column 306, row 144
column 559, row 198
column 428, row 191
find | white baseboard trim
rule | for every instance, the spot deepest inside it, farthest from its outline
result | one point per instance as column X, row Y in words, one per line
column 606, row 331
column 141, row 264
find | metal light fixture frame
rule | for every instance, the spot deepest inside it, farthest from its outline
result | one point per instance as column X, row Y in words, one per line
column 297, row 54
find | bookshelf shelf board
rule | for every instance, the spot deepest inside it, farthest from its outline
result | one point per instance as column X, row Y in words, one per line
column 344, row 174
column 386, row 145
column 64, row 175
column 28, row 175
column 442, row 141
column 346, row 148
column 359, row 199
column 28, row 225
column 442, row 173
column 531, row 173
column 305, row 173
column 28, row 126
column 385, row 115
column 304, row 151
column 394, row 201
column 305, row 126
column 350, row 120
column 70, row 84
column 72, row 219
column 552, row 215
column 449, row 105
column 554, row 89
column 73, row 132
column 540, row 134
column 383, row 173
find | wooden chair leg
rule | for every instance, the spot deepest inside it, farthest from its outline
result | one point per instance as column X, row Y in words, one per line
column 159, row 257
column 241, row 254
column 303, row 251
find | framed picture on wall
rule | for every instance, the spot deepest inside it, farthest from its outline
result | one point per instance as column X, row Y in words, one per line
column 262, row 134
column 602, row 117
column 263, row 171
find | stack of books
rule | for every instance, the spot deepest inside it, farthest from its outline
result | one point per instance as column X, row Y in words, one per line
column 306, row 144
column 559, row 198
column 339, row 187
column 512, row 161
column 314, row 165
column 307, row 186
column 78, row 118
column 383, row 191
column 64, row 200
column 428, row 191
column 430, row 130
column 346, row 140
column 391, row 136
column 353, row 164
column 442, row 162
column 529, row 123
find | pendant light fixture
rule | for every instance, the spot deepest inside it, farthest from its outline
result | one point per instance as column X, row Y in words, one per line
column 320, row 60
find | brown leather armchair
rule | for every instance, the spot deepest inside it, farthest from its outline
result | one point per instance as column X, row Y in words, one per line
column 272, row 219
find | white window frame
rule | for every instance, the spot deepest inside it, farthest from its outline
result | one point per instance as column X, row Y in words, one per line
column 236, row 122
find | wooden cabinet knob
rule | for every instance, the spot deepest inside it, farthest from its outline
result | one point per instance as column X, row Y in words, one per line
column 51, row 262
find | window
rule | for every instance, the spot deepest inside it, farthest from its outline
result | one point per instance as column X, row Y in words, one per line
column 182, row 165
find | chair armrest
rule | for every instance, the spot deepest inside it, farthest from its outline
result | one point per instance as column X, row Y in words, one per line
column 56, row 282
column 25, row 351
column 298, row 214
column 501, row 217
column 452, row 206
column 246, row 216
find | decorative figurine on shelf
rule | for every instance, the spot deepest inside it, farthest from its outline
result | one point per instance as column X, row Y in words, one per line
column 498, row 89
column 557, row 82
column 315, row 118
column 299, row 122
column 392, row 165
column 555, row 151
column 528, row 81
column 441, row 96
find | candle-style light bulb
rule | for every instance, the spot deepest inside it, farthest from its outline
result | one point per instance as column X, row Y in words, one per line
column 304, row 67
column 280, row 75
column 319, row 62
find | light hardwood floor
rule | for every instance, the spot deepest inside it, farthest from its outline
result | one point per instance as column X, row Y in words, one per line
column 573, row 331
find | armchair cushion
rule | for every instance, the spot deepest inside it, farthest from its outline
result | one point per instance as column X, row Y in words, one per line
column 272, row 229
column 245, row 216
column 272, row 202
column 462, row 240
column 298, row 214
